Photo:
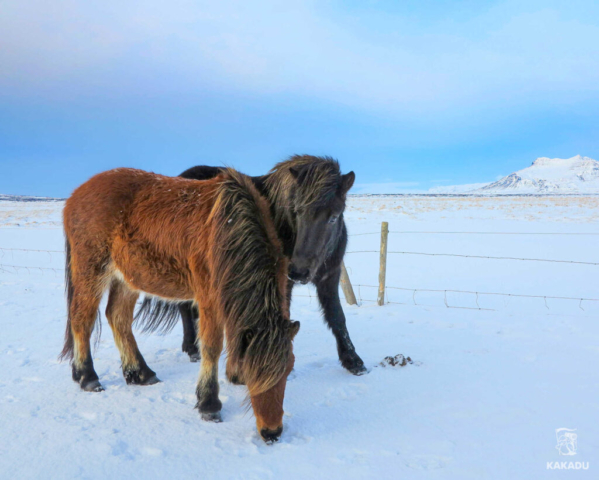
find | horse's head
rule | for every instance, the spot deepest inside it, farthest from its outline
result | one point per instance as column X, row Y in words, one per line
column 268, row 404
column 319, row 202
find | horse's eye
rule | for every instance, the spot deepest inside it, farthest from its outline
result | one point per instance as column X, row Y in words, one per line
column 333, row 219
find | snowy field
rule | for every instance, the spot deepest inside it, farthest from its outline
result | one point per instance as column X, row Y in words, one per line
column 493, row 377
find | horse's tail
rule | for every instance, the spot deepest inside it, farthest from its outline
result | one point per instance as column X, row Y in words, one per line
column 67, row 349
column 251, row 282
column 156, row 314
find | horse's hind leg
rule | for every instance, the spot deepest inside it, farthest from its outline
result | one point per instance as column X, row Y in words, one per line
column 189, row 319
column 211, row 336
column 83, row 314
column 121, row 304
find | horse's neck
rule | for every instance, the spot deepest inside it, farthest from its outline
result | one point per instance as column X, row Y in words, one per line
column 261, row 185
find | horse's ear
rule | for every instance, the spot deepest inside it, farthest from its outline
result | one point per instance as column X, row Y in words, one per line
column 295, row 173
column 347, row 181
column 294, row 328
column 246, row 339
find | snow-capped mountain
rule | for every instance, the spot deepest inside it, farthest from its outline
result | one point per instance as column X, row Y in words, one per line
column 550, row 175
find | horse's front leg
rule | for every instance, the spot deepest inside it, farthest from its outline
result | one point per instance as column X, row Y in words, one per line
column 327, row 288
column 211, row 345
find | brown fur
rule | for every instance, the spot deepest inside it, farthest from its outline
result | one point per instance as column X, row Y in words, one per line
column 210, row 241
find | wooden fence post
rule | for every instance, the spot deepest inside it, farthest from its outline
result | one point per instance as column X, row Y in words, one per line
column 383, row 265
column 348, row 290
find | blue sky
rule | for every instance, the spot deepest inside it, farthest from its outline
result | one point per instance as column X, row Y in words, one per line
column 410, row 94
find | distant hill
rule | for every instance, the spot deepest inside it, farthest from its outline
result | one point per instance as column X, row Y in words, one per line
column 457, row 188
column 27, row 198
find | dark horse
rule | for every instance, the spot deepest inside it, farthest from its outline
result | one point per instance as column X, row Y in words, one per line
column 307, row 197
column 212, row 242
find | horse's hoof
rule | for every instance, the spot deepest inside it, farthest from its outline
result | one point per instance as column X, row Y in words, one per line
column 138, row 377
column 360, row 370
column 355, row 366
column 151, row 381
column 212, row 417
column 93, row 386
column 194, row 357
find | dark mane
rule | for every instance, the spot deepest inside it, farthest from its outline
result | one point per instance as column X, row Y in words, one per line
column 251, row 282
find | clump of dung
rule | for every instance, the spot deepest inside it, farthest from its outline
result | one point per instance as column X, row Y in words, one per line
column 397, row 361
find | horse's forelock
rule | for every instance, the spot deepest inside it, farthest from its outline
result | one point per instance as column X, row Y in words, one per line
column 319, row 182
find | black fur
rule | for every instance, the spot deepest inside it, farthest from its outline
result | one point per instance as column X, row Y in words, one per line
column 207, row 395
column 86, row 376
column 144, row 375
column 189, row 317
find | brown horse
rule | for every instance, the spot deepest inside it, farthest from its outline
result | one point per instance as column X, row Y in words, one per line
column 210, row 241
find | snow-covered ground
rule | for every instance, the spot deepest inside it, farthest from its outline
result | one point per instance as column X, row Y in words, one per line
column 487, row 391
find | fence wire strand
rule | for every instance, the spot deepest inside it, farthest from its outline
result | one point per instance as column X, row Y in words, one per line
column 477, row 294
column 29, row 250
column 410, row 232
column 479, row 256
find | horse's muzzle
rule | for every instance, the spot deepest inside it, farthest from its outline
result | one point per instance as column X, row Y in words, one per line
column 271, row 436
column 299, row 275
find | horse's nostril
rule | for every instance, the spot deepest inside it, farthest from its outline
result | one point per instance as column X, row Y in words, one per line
column 271, row 436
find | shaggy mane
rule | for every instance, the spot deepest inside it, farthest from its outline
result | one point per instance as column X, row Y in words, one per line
column 251, row 281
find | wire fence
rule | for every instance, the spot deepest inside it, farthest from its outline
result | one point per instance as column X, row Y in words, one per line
column 487, row 257
column 13, row 268
column 6, row 268
column 29, row 250
column 410, row 232
column 383, row 289
column 447, row 304
column 414, row 291
column 478, row 256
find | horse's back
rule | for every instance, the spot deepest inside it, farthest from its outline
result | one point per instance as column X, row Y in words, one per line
column 101, row 203
column 141, row 226
column 135, row 198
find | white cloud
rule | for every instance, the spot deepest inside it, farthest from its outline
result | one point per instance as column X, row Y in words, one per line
column 297, row 48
